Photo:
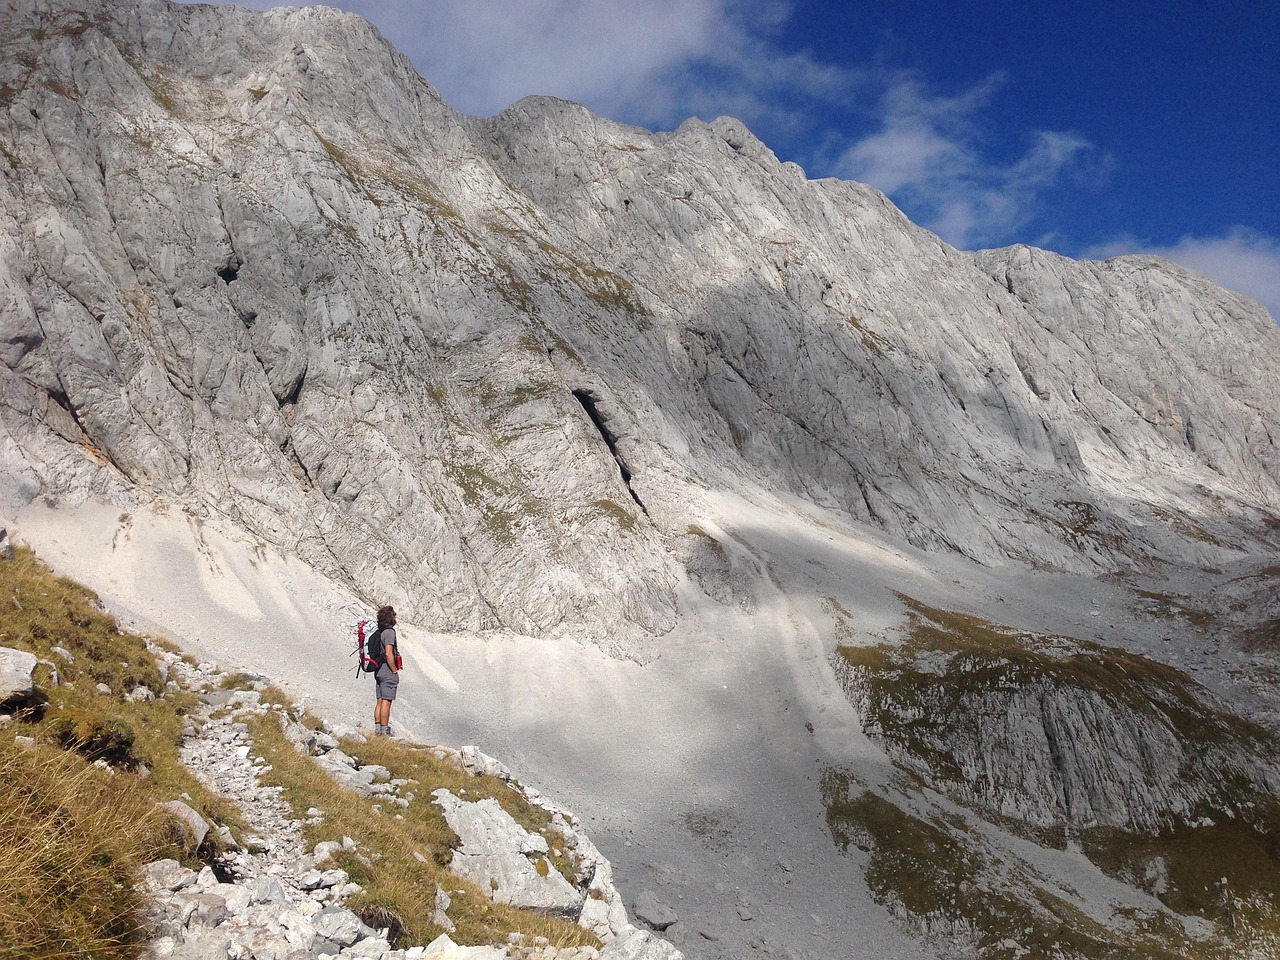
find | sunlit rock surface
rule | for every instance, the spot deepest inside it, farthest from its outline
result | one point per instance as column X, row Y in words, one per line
column 253, row 266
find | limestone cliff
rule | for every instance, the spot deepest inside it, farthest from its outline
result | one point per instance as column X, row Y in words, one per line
column 254, row 267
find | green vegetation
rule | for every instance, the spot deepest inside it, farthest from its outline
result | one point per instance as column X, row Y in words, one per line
column 400, row 859
column 986, row 656
column 1187, row 527
column 872, row 342
column 940, row 875
column 1195, row 859
column 373, row 169
column 625, row 519
column 74, row 833
column 927, row 693
column 605, row 288
column 561, row 345
column 71, row 840
column 78, row 804
column 1261, row 636
column 502, row 506
column 163, row 87
column 1164, row 606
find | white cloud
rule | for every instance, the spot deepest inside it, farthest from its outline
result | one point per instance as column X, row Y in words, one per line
column 904, row 153
column 485, row 54
column 927, row 155
column 1241, row 259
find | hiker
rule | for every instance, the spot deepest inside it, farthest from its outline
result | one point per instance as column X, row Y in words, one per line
column 388, row 673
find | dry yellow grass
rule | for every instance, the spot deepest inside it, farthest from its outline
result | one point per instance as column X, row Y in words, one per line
column 74, row 834
column 70, row 843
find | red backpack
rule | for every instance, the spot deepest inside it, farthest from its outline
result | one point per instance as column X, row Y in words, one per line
column 372, row 654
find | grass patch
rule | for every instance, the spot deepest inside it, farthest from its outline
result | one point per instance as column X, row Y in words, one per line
column 238, row 681
column 942, row 698
column 394, row 880
column 625, row 519
column 74, row 834
column 1191, row 861
column 604, row 288
column 1187, row 527
column 368, row 171
column 872, row 342
column 502, row 506
column 1166, row 607
column 71, row 842
column 562, row 345
column 942, row 880
column 1261, row 636
column 940, row 688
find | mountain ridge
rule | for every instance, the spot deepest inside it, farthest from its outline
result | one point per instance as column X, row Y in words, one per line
column 930, row 400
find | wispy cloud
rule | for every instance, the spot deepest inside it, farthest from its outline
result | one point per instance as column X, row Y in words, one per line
column 928, row 155
column 1241, row 259
column 653, row 62
column 486, row 54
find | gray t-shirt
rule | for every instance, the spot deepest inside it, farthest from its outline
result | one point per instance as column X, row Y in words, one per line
column 387, row 638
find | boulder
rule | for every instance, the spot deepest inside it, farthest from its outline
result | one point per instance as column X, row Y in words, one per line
column 197, row 827
column 443, row 948
column 653, row 912
column 166, row 876
column 636, row 944
column 502, row 857
column 17, row 674
column 340, row 926
column 267, row 890
column 482, row 765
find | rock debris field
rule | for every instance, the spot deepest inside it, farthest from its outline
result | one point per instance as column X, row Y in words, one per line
column 272, row 898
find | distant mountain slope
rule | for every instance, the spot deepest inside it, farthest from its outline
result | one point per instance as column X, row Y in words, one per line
column 253, row 266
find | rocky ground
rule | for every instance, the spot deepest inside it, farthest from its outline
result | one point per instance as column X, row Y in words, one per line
column 269, row 897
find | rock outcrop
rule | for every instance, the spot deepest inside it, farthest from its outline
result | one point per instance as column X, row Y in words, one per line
column 17, row 675
column 254, row 267
column 1055, row 732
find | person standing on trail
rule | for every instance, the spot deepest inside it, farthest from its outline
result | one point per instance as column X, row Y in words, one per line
column 388, row 672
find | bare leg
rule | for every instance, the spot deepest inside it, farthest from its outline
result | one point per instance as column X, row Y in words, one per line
column 382, row 713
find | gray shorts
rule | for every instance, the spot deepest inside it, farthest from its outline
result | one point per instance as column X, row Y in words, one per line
column 387, row 683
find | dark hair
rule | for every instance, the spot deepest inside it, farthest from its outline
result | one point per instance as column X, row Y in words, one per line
column 386, row 617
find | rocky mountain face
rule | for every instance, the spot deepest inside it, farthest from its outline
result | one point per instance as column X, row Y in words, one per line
column 551, row 374
column 1054, row 732
column 254, row 267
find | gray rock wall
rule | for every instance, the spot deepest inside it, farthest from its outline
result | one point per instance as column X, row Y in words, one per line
column 253, row 266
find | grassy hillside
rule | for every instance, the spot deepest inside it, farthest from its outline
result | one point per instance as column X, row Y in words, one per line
column 81, row 772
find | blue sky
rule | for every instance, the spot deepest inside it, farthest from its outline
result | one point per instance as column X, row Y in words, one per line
column 1090, row 128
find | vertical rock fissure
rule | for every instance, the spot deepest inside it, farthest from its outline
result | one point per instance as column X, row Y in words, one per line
column 588, row 402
